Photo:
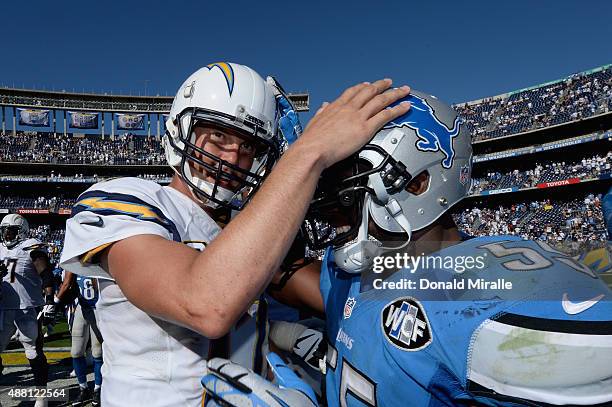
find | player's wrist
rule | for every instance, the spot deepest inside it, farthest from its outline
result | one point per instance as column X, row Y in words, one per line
column 306, row 153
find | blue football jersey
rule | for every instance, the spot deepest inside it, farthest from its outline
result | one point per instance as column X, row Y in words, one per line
column 88, row 291
column 532, row 326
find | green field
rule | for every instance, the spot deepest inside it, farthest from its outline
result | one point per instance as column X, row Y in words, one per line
column 60, row 337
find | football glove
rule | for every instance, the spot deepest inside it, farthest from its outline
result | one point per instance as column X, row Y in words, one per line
column 49, row 311
column 311, row 348
column 230, row 385
column 307, row 344
column 289, row 122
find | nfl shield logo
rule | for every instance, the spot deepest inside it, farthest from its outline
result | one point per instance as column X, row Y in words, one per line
column 348, row 307
column 464, row 175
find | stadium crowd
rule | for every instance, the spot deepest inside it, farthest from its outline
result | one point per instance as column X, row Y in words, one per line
column 54, row 238
column 58, row 148
column 549, row 171
column 77, row 178
column 577, row 97
column 50, row 203
column 569, row 222
column 565, row 224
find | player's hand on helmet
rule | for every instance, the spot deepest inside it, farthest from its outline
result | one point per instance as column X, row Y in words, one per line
column 344, row 126
column 229, row 384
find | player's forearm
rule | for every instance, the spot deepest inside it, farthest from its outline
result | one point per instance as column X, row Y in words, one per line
column 240, row 262
column 68, row 277
column 302, row 291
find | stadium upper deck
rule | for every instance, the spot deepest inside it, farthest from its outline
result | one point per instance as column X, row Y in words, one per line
column 576, row 97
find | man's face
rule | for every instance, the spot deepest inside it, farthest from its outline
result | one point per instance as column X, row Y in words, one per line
column 342, row 220
column 9, row 233
column 229, row 146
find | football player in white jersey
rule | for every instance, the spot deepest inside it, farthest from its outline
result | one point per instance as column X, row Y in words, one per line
column 24, row 262
column 173, row 279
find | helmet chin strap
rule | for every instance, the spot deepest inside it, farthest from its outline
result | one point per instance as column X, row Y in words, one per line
column 358, row 256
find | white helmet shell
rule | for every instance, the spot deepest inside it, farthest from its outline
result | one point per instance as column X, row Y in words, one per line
column 231, row 96
column 14, row 220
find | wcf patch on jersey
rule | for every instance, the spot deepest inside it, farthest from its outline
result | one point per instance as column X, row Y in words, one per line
column 405, row 324
column 348, row 307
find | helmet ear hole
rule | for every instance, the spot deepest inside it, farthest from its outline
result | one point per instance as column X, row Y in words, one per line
column 419, row 184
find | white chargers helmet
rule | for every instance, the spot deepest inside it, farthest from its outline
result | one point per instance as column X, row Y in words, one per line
column 13, row 229
column 428, row 142
column 228, row 96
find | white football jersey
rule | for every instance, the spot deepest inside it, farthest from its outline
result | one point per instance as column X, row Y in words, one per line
column 21, row 286
column 149, row 361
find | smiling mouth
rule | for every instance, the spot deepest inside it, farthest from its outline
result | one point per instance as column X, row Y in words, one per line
column 342, row 229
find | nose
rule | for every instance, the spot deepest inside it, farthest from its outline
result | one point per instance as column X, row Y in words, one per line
column 231, row 153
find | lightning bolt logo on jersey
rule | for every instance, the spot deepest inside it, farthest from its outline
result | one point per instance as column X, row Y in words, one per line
column 548, row 340
column 163, row 359
column 434, row 135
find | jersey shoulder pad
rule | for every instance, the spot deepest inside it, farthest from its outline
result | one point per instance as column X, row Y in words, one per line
column 32, row 244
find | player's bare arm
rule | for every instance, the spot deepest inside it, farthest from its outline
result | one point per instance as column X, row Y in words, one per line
column 40, row 259
column 66, row 285
column 302, row 290
column 216, row 286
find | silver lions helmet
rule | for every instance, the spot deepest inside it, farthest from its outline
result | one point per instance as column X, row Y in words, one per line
column 373, row 187
column 13, row 229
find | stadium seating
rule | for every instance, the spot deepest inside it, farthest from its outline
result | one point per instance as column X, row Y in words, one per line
column 33, row 147
column 570, row 223
column 577, row 97
column 582, row 168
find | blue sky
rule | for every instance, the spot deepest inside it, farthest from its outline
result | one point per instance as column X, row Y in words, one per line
column 458, row 50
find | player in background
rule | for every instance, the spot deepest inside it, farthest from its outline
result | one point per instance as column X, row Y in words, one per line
column 175, row 276
column 606, row 206
column 26, row 272
column 545, row 341
column 83, row 328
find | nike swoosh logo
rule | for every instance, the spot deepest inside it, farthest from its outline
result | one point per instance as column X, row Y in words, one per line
column 301, row 339
column 574, row 308
column 98, row 223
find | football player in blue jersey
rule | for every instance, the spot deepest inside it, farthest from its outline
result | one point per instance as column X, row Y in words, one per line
column 84, row 329
column 418, row 317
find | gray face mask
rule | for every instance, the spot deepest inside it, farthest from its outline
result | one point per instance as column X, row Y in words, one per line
column 429, row 139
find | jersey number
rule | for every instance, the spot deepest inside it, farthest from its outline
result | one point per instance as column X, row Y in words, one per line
column 352, row 381
column 87, row 290
column 11, row 266
column 532, row 259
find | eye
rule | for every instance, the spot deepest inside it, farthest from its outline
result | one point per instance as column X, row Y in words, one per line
column 217, row 136
column 248, row 148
